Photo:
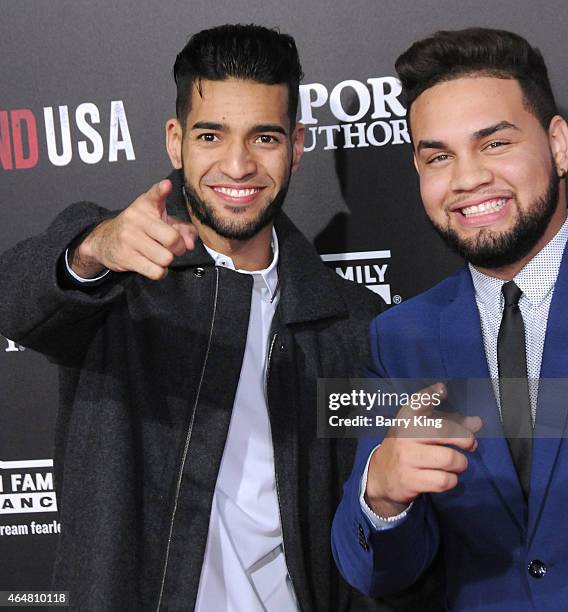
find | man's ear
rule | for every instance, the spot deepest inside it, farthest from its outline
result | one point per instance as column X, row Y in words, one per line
column 558, row 140
column 297, row 145
column 174, row 138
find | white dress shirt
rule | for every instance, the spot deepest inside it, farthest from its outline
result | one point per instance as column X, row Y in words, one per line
column 536, row 280
column 244, row 568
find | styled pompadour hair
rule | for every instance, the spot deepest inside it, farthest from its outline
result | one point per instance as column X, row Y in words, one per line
column 249, row 52
column 448, row 55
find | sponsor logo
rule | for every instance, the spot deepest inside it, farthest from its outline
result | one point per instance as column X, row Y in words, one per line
column 369, row 114
column 12, row 347
column 365, row 267
column 26, row 487
column 68, row 132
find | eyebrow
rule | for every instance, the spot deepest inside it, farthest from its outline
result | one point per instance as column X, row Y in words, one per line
column 482, row 133
column 430, row 144
column 502, row 125
column 219, row 127
column 270, row 127
column 208, row 125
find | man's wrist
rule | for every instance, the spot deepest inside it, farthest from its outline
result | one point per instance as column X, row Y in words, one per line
column 378, row 521
column 379, row 505
column 81, row 259
column 385, row 509
column 80, row 273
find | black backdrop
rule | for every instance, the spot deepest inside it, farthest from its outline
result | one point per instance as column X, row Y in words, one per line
column 86, row 89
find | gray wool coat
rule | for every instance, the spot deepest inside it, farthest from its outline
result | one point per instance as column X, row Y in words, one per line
column 148, row 375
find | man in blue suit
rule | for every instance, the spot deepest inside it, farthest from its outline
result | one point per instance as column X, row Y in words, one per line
column 491, row 152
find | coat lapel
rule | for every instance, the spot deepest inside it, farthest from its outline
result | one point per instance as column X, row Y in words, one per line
column 553, row 389
column 463, row 354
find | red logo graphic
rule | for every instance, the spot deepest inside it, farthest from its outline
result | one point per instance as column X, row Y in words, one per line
column 19, row 149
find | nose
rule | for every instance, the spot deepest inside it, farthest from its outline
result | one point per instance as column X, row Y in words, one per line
column 470, row 173
column 238, row 162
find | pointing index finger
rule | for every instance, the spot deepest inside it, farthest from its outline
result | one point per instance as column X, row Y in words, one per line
column 158, row 195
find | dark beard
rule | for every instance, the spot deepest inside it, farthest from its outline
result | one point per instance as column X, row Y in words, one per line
column 205, row 214
column 491, row 250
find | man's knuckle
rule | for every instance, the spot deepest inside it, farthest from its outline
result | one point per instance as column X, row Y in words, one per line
column 128, row 213
column 448, row 460
column 167, row 259
column 171, row 239
column 157, row 273
column 467, row 441
column 447, row 481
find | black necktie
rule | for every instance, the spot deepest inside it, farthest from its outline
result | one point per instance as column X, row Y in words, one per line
column 513, row 384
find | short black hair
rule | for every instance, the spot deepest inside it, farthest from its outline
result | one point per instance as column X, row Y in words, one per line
column 249, row 52
column 447, row 55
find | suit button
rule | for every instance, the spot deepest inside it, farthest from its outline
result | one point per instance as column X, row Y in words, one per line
column 537, row 569
column 199, row 272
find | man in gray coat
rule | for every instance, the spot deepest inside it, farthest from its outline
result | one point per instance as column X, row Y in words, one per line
column 190, row 329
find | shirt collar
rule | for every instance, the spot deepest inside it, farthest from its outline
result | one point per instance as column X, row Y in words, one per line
column 536, row 279
column 267, row 277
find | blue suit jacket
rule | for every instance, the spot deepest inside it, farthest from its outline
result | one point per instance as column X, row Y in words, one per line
column 488, row 532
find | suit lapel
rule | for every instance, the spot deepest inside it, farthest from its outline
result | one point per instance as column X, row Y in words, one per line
column 553, row 390
column 463, row 354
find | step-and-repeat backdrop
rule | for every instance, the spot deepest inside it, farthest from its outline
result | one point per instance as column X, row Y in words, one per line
column 86, row 90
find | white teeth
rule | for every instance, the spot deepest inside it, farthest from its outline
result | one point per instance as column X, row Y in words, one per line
column 236, row 193
column 484, row 208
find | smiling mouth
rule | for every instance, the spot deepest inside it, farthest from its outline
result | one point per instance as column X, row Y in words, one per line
column 237, row 193
column 488, row 207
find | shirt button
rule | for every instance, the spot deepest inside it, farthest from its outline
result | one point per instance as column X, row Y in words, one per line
column 537, row 569
column 199, row 272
